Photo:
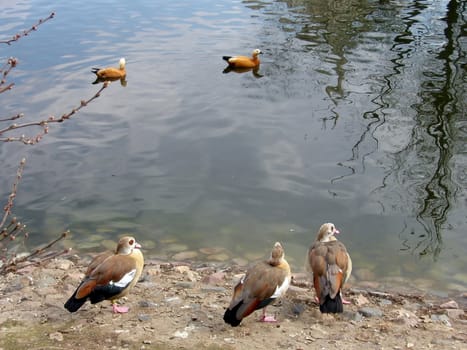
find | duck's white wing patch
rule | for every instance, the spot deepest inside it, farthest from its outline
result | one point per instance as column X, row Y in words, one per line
column 126, row 279
column 282, row 288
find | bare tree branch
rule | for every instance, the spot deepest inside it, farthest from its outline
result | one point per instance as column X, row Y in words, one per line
column 45, row 123
column 7, row 67
column 12, row 196
column 17, row 116
column 17, row 36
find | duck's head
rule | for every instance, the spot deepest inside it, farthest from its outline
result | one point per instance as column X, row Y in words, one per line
column 126, row 245
column 256, row 52
column 326, row 232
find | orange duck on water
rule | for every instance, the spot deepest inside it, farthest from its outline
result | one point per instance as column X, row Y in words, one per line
column 111, row 73
column 331, row 265
column 110, row 276
column 243, row 61
column 263, row 283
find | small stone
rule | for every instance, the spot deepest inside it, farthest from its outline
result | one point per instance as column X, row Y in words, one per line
column 229, row 340
column 146, row 303
column 406, row 317
column 370, row 312
column 214, row 278
column 441, row 318
column 144, row 317
column 361, row 300
column 62, row 264
column 185, row 285
column 352, row 316
column 57, row 336
column 173, row 300
column 182, row 269
column 385, row 302
column 455, row 313
column 449, row 305
column 297, row 309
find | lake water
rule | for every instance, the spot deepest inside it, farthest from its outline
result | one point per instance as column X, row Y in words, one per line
column 357, row 117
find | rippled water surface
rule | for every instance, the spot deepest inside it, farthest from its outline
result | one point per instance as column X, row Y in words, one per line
column 356, row 116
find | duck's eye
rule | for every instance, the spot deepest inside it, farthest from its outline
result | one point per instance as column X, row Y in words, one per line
column 131, row 242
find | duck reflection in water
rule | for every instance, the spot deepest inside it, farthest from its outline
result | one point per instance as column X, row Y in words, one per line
column 254, row 71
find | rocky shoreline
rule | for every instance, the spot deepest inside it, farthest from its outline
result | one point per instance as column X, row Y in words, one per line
column 179, row 305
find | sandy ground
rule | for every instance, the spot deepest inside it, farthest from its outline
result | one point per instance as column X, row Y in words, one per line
column 179, row 305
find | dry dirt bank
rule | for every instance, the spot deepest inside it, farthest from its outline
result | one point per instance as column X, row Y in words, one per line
column 179, row 305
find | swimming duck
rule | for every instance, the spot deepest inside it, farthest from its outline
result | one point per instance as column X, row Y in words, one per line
column 111, row 73
column 263, row 283
column 110, row 276
column 243, row 61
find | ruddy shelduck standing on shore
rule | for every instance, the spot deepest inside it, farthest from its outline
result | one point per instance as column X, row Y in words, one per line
column 244, row 61
column 111, row 73
column 331, row 265
column 110, row 276
column 262, row 284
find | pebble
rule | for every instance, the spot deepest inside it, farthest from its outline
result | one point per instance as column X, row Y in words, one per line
column 370, row 312
column 451, row 304
column 441, row 318
column 56, row 336
column 455, row 313
column 146, row 303
column 361, row 300
column 406, row 317
column 352, row 316
column 182, row 269
column 385, row 302
column 185, row 285
column 61, row 264
column 144, row 317
column 214, row 278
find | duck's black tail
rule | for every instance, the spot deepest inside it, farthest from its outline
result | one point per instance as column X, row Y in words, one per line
column 226, row 58
column 95, row 70
column 230, row 316
column 332, row 305
column 74, row 304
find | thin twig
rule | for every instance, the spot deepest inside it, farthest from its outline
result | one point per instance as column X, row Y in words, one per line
column 17, row 116
column 45, row 123
column 9, row 65
column 11, row 197
column 15, row 264
column 16, row 37
column 40, row 250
